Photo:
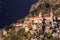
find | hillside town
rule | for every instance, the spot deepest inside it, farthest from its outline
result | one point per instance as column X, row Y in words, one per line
column 40, row 24
column 37, row 27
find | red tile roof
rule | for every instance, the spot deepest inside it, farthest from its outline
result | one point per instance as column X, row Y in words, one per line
column 46, row 16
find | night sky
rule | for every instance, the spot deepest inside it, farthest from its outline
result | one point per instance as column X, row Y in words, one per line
column 12, row 10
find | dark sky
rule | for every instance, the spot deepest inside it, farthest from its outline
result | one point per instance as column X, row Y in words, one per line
column 12, row 10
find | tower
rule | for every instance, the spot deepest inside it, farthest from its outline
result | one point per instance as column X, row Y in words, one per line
column 40, row 14
column 51, row 16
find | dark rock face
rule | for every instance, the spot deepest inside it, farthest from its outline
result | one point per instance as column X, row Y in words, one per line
column 43, row 4
column 12, row 10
